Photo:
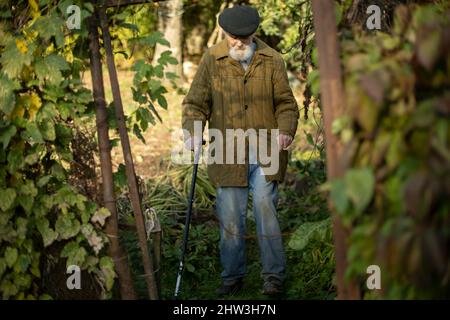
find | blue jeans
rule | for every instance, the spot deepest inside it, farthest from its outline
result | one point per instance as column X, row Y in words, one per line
column 231, row 208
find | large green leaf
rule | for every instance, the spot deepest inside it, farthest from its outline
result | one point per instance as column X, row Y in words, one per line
column 74, row 253
column 6, row 135
column 166, row 57
column 7, row 197
column 32, row 133
column 8, row 289
column 26, row 202
column 107, row 269
column 47, row 129
column 67, row 226
column 308, row 231
column 120, row 176
column 153, row 39
column 49, row 26
column 11, row 256
column 48, row 234
column 22, row 263
column 360, row 184
column 162, row 102
column 339, row 196
column 27, row 193
column 48, row 112
column 100, row 216
column 15, row 160
column 159, row 71
column 49, row 68
column 7, row 94
column 34, row 154
column 28, row 188
column 43, row 180
column 14, row 59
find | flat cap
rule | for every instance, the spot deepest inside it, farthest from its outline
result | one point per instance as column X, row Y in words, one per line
column 239, row 21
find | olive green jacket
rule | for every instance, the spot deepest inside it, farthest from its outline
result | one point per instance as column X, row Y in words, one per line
column 228, row 97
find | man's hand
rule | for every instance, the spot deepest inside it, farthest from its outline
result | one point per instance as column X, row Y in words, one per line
column 284, row 141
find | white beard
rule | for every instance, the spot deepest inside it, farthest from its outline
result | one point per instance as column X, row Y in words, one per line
column 242, row 54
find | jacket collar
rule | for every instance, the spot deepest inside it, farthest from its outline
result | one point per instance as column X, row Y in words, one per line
column 221, row 49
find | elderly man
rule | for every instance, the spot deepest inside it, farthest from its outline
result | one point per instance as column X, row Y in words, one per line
column 241, row 83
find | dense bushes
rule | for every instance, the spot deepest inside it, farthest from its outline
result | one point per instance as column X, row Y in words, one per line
column 397, row 139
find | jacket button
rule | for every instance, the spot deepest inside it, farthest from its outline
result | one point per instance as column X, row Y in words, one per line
column 245, row 81
column 246, row 107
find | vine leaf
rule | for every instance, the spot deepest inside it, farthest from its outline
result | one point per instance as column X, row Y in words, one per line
column 100, row 216
column 48, row 234
column 15, row 56
column 360, row 184
column 307, row 231
column 6, row 135
column 49, row 68
column 7, row 197
column 67, row 226
column 7, row 95
column 32, row 133
column 11, row 256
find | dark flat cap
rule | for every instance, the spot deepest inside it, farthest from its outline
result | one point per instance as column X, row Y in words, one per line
column 239, row 21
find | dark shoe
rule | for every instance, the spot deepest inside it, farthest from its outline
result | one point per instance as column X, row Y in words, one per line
column 230, row 288
column 272, row 288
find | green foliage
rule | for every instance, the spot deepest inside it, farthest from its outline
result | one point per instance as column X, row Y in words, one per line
column 137, row 45
column 310, row 270
column 42, row 100
column 148, row 89
column 352, row 194
column 181, row 176
column 396, row 142
column 307, row 231
column 292, row 22
column 168, row 197
column 304, row 213
column 49, row 68
column 129, row 23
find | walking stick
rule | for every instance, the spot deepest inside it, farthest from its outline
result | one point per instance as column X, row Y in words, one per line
column 197, row 150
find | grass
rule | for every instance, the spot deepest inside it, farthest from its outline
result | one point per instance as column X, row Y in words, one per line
column 309, row 273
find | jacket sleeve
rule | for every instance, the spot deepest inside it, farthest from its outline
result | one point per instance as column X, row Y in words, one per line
column 196, row 105
column 286, row 108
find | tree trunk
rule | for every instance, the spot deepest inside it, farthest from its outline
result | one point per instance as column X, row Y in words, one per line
column 332, row 97
column 118, row 254
column 170, row 23
column 129, row 165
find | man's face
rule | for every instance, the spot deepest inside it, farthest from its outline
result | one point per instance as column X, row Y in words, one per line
column 240, row 48
column 238, row 42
